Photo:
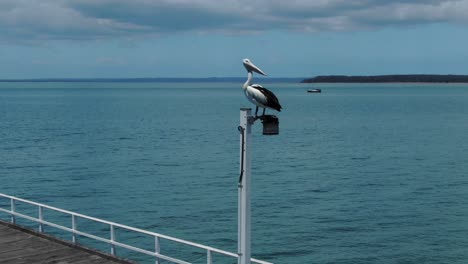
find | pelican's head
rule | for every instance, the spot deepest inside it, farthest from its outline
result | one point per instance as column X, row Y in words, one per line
column 250, row 67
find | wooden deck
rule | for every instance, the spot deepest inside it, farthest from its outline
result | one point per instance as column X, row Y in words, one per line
column 19, row 245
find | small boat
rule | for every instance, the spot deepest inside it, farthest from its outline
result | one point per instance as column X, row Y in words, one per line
column 314, row 90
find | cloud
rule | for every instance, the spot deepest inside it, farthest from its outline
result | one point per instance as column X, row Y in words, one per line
column 32, row 20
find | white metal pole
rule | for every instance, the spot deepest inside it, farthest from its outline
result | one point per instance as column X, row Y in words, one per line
column 244, row 186
column 41, row 218
column 74, row 228
column 13, row 210
column 157, row 247
column 112, row 238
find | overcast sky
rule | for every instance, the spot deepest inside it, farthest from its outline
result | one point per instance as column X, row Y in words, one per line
column 206, row 38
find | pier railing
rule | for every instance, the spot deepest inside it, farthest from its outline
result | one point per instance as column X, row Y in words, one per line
column 74, row 230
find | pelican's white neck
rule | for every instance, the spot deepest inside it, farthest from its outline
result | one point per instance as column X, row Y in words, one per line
column 249, row 80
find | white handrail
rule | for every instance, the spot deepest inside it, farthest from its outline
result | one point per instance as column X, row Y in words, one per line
column 14, row 213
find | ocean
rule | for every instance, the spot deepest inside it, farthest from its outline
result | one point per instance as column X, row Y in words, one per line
column 361, row 173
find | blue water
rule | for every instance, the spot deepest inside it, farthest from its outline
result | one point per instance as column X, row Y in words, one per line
column 368, row 173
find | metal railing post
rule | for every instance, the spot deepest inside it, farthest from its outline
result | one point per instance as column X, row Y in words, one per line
column 73, row 228
column 41, row 218
column 209, row 259
column 157, row 248
column 112, row 238
column 13, row 209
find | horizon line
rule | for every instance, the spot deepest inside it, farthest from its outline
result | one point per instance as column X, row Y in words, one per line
column 143, row 79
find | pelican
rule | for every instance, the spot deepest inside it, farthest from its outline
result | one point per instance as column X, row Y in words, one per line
column 257, row 94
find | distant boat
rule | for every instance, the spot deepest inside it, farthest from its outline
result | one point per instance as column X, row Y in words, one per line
column 314, row 90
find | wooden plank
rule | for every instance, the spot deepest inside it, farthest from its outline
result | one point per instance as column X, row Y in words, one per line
column 19, row 245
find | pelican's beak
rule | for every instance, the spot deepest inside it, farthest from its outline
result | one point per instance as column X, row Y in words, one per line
column 251, row 67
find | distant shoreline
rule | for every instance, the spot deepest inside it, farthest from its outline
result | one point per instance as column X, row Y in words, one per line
column 395, row 78
column 153, row 80
column 408, row 78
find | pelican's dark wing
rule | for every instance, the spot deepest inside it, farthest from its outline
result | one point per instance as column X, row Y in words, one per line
column 272, row 100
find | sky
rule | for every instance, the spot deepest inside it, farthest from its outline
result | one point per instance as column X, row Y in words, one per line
column 209, row 38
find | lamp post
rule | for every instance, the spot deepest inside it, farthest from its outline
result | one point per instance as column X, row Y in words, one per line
column 270, row 127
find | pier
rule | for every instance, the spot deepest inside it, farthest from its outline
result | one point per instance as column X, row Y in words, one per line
column 19, row 245
column 9, row 232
